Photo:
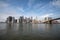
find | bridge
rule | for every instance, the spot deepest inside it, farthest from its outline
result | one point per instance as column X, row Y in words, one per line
column 50, row 21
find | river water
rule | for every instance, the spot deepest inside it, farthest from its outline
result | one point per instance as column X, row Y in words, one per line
column 29, row 31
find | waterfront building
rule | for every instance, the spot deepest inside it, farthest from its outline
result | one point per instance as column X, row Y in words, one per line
column 35, row 21
column 25, row 20
column 13, row 20
column 17, row 20
column 31, row 19
column 21, row 19
column 10, row 19
column 28, row 20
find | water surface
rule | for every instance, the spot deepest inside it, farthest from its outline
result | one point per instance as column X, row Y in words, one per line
column 29, row 31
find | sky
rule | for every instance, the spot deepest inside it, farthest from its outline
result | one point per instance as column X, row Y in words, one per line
column 28, row 8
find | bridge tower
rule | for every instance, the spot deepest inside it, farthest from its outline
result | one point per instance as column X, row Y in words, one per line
column 48, row 20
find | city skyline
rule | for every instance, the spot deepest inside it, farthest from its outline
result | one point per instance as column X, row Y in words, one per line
column 28, row 8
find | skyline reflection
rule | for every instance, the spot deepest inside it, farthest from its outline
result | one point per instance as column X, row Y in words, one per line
column 15, row 30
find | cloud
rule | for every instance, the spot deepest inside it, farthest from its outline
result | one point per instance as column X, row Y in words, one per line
column 39, row 17
column 56, row 3
column 3, row 4
column 8, row 10
column 37, row 6
column 21, row 9
column 34, row 9
column 46, row 15
column 3, row 16
column 30, row 3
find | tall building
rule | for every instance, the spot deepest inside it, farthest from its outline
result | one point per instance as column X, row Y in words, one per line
column 31, row 19
column 13, row 20
column 10, row 19
column 17, row 20
column 21, row 19
column 28, row 20
column 25, row 20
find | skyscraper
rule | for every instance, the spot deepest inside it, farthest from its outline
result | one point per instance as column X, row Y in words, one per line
column 21, row 19
column 10, row 19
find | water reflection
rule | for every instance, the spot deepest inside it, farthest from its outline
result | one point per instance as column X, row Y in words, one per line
column 27, row 28
column 2, row 29
column 35, row 28
column 10, row 29
column 20, row 28
column 48, row 27
column 44, row 30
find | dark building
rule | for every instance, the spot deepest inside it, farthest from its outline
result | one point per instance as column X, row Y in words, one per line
column 31, row 19
column 21, row 19
column 15, row 21
column 10, row 19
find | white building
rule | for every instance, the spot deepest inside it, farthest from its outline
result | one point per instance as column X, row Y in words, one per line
column 17, row 20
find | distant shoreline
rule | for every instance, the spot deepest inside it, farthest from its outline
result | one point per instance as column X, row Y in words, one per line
column 32, row 23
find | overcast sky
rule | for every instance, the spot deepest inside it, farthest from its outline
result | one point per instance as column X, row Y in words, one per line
column 28, row 8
